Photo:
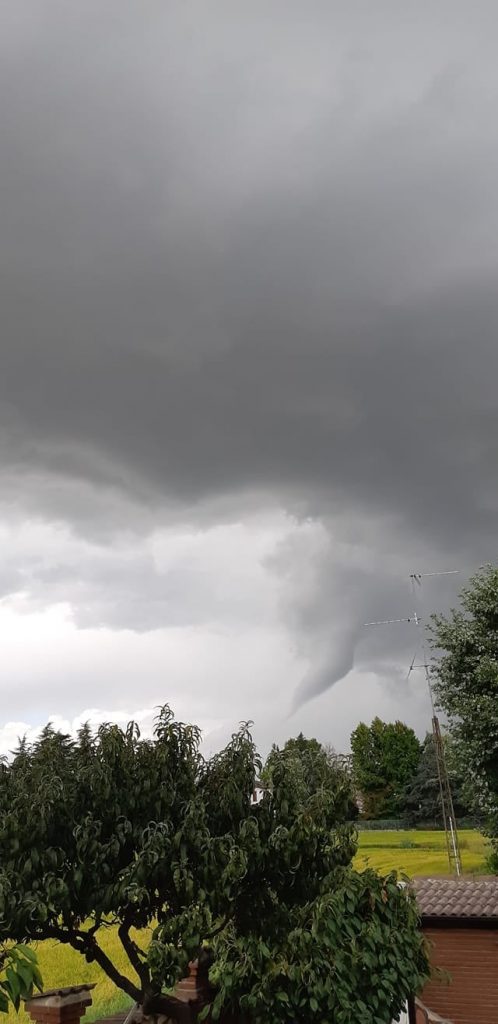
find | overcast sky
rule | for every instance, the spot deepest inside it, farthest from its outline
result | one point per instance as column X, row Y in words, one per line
column 249, row 354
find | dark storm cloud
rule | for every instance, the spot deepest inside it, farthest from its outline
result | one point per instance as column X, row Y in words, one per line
column 253, row 251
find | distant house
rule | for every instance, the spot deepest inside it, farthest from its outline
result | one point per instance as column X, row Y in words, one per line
column 257, row 793
column 460, row 920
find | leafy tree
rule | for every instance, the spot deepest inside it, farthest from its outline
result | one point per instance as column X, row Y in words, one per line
column 147, row 834
column 465, row 674
column 422, row 797
column 350, row 954
column 315, row 767
column 385, row 757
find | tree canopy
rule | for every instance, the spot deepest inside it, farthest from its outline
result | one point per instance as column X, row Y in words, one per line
column 385, row 758
column 465, row 674
column 422, row 796
column 112, row 828
column 314, row 767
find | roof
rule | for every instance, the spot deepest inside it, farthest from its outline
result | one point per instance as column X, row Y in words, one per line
column 458, row 898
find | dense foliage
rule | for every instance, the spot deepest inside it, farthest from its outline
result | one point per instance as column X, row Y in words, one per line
column 313, row 768
column 352, row 953
column 385, row 759
column 466, row 681
column 421, row 800
column 112, row 828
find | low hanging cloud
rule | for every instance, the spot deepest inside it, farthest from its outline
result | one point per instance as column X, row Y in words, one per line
column 248, row 263
column 171, row 578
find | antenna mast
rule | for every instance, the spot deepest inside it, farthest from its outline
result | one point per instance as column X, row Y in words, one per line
column 447, row 810
column 448, row 814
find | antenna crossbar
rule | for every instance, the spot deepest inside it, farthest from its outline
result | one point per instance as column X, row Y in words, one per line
column 387, row 622
column 417, row 576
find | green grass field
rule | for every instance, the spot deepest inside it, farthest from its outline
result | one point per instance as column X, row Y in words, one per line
column 412, row 853
column 61, row 966
column 418, row 853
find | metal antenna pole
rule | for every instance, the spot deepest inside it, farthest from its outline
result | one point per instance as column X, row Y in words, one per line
column 447, row 810
column 449, row 822
column 448, row 814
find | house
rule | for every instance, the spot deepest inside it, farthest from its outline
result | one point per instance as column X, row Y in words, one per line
column 257, row 793
column 459, row 917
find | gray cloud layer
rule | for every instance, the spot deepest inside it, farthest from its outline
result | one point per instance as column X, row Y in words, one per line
column 248, row 258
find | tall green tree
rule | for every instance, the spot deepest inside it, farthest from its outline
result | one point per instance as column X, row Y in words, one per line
column 385, row 758
column 465, row 674
column 314, row 767
column 147, row 834
column 421, row 801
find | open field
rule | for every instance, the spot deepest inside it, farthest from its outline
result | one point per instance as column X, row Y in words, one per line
column 413, row 853
column 61, row 966
column 418, row 853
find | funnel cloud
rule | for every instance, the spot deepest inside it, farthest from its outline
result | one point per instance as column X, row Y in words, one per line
column 248, row 353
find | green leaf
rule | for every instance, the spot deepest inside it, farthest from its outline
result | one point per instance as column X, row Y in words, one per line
column 13, row 981
column 26, row 951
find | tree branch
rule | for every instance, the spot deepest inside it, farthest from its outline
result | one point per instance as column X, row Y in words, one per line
column 85, row 943
column 131, row 949
column 219, row 928
column 119, row 979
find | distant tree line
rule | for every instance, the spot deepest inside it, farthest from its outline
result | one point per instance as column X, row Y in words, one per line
column 395, row 775
column 390, row 775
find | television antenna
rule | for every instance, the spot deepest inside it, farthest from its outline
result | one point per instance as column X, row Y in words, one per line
column 417, row 577
column 447, row 810
column 387, row 622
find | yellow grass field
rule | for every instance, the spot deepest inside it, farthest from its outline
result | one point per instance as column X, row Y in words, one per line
column 418, row 853
column 61, row 966
column 412, row 853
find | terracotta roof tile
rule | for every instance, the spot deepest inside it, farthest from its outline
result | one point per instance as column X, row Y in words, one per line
column 457, row 897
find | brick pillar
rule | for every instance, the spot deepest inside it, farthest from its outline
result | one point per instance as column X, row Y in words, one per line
column 60, row 1005
column 195, row 988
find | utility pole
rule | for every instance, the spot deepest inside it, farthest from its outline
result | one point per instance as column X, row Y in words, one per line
column 448, row 814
